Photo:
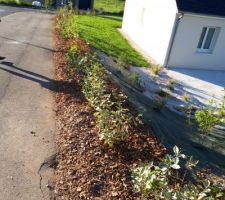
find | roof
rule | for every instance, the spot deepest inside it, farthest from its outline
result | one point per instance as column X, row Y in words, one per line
column 206, row 7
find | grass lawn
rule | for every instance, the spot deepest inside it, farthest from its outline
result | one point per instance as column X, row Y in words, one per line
column 101, row 32
column 110, row 6
column 15, row 2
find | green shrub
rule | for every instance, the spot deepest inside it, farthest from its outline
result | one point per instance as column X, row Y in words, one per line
column 170, row 84
column 94, row 87
column 186, row 97
column 189, row 113
column 47, row 4
column 171, row 87
column 123, row 63
column 113, row 120
column 163, row 181
column 67, row 23
column 159, row 104
column 221, row 110
column 206, row 120
column 156, row 69
column 114, row 125
column 163, row 94
column 135, row 80
column 211, row 115
column 72, row 58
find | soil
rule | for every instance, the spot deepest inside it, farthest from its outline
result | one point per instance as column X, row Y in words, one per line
column 87, row 168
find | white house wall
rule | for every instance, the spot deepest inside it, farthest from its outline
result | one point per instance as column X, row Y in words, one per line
column 184, row 52
column 149, row 24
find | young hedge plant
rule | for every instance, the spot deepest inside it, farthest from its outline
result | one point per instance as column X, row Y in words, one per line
column 112, row 118
column 206, row 120
column 163, row 181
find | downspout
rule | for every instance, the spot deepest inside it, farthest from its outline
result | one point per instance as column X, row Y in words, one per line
column 92, row 4
column 179, row 16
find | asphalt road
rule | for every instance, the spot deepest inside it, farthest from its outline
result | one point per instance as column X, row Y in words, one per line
column 27, row 124
column 7, row 10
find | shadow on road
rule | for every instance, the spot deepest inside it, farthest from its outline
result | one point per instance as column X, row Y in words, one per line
column 27, row 43
column 45, row 82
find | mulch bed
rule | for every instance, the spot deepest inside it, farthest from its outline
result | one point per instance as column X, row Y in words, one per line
column 87, row 168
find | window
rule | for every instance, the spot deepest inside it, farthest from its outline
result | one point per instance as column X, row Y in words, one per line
column 208, row 39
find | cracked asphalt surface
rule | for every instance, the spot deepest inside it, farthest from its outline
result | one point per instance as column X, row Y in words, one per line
column 27, row 124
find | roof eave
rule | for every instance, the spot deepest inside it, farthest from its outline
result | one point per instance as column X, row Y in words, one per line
column 201, row 14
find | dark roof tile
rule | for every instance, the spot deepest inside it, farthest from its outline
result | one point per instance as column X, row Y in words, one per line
column 208, row 7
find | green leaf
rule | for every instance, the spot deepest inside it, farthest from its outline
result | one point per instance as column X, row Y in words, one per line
column 176, row 150
column 201, row 196
column 206, row 183
column 175, row 166
column 176, row 161
column 220, row 194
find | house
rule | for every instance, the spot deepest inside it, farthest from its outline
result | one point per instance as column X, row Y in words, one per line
column 178, row 33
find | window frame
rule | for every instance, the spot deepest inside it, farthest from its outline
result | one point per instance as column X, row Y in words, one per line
column 203, row 37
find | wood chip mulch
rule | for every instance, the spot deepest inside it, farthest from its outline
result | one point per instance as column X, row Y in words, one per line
column 87, row 168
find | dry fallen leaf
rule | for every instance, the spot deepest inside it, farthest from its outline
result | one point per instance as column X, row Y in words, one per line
column 79, row 189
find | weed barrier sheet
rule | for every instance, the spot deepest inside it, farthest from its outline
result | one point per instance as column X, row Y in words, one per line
column 171, row 128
